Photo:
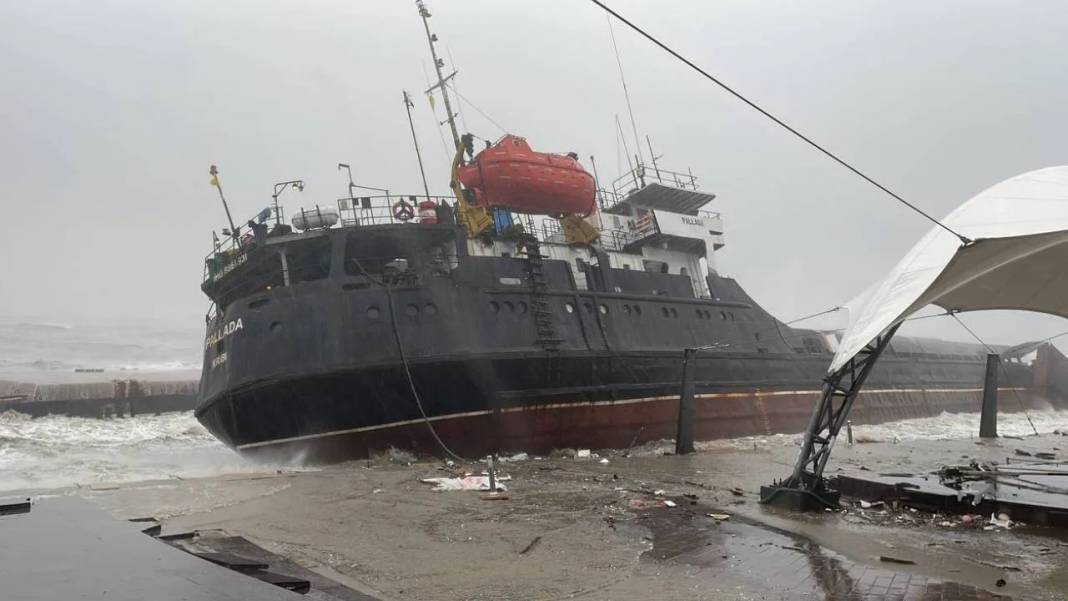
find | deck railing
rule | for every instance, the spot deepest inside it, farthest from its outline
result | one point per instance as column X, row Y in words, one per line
column 379, row 210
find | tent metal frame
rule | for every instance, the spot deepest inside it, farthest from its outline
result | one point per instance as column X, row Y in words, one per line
column 805, row 488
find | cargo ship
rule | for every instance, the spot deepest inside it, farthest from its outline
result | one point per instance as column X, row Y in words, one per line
column 532, row 309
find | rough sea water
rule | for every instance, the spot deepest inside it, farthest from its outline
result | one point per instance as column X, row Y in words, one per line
column 55, row 451
column 47, row 351
column 946, row 426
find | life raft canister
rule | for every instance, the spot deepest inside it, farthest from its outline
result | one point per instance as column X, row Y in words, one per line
column 428, row 212
column 511, row 176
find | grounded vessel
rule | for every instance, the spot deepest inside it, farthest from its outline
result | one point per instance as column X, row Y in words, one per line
column 529, row 311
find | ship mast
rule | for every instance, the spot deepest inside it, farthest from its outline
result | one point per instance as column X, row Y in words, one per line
column 438, row 64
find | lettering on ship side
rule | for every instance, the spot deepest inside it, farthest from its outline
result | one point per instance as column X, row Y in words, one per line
column 232, row 265
column 227, row 330
column 693, row 221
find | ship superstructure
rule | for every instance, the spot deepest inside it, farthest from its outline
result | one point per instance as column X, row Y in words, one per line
column 517, row 340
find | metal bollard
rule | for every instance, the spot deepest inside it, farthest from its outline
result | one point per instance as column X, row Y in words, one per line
column 684, row 432
column 988, row 419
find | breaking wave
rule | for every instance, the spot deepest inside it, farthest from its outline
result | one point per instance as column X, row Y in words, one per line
column 59, row 451
column 945, row 426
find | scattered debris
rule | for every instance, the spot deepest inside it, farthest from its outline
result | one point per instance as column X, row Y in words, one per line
column 642, row 503
column 495, row 496
column 870, row 504
column 889, row 559
column 719, row 517
column 464, row 483
column 516, row 457
column 1000, row 582
column 738, row 492
column 531, row 545
column 1001, row 520
column 603, row 461
column 669, row 503
column 582, row 454
column 991, row 564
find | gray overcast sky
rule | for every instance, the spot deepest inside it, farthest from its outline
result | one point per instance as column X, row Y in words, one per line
column 112, row 111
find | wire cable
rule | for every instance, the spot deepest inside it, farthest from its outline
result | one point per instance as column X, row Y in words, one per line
column 1004, row 371
column 831, row 310
column 778, row 121
column 477, row 110
column 404, row 360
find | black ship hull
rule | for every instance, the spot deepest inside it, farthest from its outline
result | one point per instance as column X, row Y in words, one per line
column 599, row 403
column 319, row 370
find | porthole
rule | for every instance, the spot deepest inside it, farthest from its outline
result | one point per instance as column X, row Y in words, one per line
column 757, row 335
column 626, row 309
column 411, row 310
column 521, row 306
column 431, row 309
column 603, row 309
column 637, row 309
column 510, row 306
column 373, row 312
column 276, row 326
column 674, row 313
column 700, row 314
column 665, row 311
column 731, row 315
column 569, row 307
column 495, row 306
column 723, row 315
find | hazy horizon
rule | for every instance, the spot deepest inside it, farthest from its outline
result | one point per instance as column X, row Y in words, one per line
column 115, row 110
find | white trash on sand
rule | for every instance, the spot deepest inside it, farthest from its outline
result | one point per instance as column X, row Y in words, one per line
column 464, row 483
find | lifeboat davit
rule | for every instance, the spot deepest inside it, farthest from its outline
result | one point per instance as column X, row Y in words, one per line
column 510, row 175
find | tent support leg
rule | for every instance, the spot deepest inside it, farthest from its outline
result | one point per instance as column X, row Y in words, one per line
column 805, row 489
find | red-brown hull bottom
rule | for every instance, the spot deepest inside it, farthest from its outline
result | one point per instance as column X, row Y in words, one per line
column 620, row 424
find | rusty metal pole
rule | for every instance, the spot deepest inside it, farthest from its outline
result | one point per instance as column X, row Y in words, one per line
column 684, row 434
column 988, row 419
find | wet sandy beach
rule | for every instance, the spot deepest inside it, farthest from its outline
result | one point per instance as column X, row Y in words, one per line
column 580, row 528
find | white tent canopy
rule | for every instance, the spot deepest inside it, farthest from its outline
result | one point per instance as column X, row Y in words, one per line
column 1018, row 260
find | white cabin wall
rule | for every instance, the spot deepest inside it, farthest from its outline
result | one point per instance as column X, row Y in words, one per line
column 676, row 260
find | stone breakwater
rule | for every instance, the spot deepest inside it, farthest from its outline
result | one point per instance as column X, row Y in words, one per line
column 120, row 397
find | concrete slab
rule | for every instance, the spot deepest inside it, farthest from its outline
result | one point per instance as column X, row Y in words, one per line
column 66, row 548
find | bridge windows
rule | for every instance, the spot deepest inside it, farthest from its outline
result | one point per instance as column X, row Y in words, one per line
column 308, row 259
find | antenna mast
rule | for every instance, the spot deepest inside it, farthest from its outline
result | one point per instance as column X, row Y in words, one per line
column 415, row 141
column 626, row 92
column 438, row 64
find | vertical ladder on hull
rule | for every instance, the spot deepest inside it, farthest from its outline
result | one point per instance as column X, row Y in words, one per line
column 544, row 324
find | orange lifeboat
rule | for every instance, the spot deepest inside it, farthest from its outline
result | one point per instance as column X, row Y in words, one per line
column 510, row 175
